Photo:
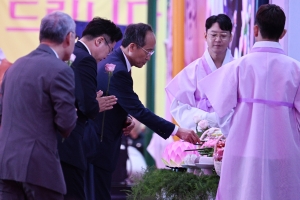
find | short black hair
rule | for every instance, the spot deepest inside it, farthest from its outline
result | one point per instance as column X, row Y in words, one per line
column 270, row 19
column 136, row 33
column 223, row 20
column 99, row 27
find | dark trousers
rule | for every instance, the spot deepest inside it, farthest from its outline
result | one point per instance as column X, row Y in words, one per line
column 102, row 183
column 74, row 178
column 104, row 165
column 13, row 190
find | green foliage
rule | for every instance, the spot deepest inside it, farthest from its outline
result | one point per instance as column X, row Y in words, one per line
column 163, row 184
column 208, row 151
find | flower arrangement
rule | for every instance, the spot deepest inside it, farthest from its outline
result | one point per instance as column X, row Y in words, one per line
column 213, row 147
column 207, row 150
column 219, row 150
column 109, row 68
column 210, row 137
column 201, row 125
column 218, row 154
column 209, row 141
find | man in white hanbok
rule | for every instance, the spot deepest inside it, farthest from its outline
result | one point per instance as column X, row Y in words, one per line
column 261, row 157
column 188, row 100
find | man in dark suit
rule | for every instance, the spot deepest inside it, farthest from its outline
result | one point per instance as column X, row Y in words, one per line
column 98, row 39
column 137, row 47
column 37, row 102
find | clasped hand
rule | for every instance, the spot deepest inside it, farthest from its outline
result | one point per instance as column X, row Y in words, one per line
column 106, row 102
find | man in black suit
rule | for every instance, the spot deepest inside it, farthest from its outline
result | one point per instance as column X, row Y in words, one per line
column 137, row 47
column 98, row 40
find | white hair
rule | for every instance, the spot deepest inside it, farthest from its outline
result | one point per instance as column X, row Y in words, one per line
column 55, row 27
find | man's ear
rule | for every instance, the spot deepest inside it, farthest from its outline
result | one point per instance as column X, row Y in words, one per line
column 131, row 47
column 68, row 39
column 283, row 33
column 255, row 30
column 231, row 36
column 98, row 41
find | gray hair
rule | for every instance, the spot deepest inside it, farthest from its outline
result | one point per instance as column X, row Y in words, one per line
column 55, row 27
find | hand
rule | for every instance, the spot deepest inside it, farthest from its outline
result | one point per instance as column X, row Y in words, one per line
column 99, row 93
column 129, row 125
column 105, row 103
column 188, row 135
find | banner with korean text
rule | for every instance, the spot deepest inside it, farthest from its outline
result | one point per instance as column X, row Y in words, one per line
column 20, row 20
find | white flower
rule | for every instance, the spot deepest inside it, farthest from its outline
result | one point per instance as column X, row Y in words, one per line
column 203, row 124
column 72, row 57
column 71, row 60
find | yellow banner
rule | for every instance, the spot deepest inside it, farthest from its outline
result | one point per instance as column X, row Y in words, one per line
column 20, row 21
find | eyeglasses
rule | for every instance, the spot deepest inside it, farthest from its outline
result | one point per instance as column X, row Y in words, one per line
column 110, row 49
column 149, row 53
column 222, row 36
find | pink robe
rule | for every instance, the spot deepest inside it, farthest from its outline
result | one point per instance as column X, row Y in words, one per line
column 184, row 88
column 262, row 153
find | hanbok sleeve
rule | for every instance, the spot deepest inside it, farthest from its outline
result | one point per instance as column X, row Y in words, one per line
column 184, row 114
column 221, row 88
column 224, row 122
column 184, row 94
column 183, row 86
column 297, row 107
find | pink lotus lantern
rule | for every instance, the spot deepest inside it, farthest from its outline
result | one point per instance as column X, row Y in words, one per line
column 174, row 153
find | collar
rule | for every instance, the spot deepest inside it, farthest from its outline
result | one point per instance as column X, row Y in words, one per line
column 54, row 52
column 210, row 62
column 2, row 56
column 267, row 44
column 85, row 46
column 127, row 62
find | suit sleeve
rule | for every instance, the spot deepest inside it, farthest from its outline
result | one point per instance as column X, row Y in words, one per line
column 62, row 96
column 122, row 86
column 86, row 87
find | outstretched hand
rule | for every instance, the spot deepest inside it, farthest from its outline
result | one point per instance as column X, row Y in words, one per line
column 188, row 135
column 129, row 125
column 107, row 102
